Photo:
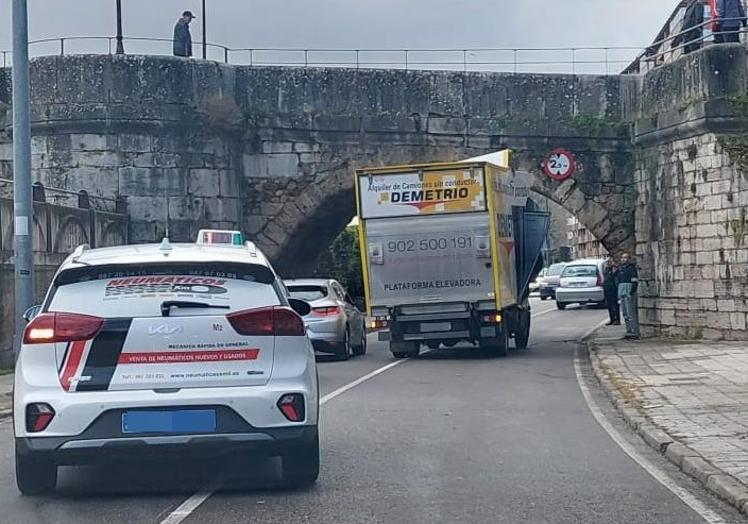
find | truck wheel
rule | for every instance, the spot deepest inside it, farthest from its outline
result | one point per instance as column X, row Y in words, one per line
column 300, row 465
column 522, row 334
column 35, row 476
column 544, row 298
column 561, row 305
column 405, row 349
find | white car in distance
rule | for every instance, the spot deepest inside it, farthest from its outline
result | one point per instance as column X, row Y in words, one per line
column 165, row 349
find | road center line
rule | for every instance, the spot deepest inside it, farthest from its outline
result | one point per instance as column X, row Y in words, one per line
column 187, row 507
column 660, row 476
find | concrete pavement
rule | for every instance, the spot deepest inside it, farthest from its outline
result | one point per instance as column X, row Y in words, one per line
column 453, row 436
column 689, row 400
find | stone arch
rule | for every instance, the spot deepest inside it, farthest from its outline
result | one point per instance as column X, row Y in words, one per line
column 40, row 235
column 313, row 215
column 71, row 234
column 113, row 235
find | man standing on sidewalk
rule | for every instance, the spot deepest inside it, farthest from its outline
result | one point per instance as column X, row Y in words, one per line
column 628, row 283
column 610, row 288
column 182, row 36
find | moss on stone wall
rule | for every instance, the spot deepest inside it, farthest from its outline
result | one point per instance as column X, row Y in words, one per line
column 598, row 126
column 737, row 147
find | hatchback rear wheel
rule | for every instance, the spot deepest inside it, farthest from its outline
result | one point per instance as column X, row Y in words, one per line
column 344, row 350
column 361, row 348
column 35, row 476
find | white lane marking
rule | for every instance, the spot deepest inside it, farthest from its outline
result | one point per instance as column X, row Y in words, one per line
column 327, row 398
column 694, row 503
column 192, row 503
column 544, row 312
column 186, row 508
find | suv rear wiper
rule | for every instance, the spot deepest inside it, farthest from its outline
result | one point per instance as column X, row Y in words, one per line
column 166, row 306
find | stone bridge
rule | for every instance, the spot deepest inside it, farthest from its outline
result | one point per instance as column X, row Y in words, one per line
column 272, row 151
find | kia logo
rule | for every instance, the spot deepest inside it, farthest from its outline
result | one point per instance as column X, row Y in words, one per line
column 164, row 329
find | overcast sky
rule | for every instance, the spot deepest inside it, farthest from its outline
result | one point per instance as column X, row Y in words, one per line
column 360, row 23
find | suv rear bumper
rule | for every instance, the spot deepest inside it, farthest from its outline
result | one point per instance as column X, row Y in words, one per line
column 84, row 450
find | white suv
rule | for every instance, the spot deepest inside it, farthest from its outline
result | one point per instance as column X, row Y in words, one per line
column 163, row 349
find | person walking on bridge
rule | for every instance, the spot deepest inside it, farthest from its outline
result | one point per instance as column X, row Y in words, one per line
column 730, row 16
column 610, row 288
column 182, row 36
column 692, row 28
column 628, row 284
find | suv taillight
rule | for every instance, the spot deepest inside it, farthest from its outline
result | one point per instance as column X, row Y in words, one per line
column 61, row 327
column 38, row 417
column 270, row 321
column 599, row 280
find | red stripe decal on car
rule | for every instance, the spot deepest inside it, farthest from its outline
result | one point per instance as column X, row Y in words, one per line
column 75, row 354
column 168, row 357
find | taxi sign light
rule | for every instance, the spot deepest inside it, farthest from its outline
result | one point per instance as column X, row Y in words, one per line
column 220, row 237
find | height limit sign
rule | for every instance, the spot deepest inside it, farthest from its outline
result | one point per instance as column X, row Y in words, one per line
column 560, row 164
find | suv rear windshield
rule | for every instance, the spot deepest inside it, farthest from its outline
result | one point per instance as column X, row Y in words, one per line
column 555, row 270
column 307, row 292
column 580, row 271
column 128, row 291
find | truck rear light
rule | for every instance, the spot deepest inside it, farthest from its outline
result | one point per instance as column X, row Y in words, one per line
column 379, row 322
column 275, row 321
column 325, row 311
column 61, row 327
column 492, row 318
column 599, row 280
column 292, row 406
column 38, row 417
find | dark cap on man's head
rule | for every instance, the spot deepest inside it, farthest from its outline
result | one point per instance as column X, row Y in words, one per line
column 189, row 13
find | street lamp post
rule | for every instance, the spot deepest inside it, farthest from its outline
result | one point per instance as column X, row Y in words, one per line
column 120, row 43
column 205, row 36
column 23, row 211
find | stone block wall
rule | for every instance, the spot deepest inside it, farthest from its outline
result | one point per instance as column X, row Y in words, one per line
column 692, row 179
column 692, row 227
column 182, row 180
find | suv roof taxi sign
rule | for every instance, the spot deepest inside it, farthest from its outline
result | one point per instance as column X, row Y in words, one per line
column 219, row 237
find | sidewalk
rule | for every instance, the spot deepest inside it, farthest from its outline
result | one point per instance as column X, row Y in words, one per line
column 688, row 400
column 6, row 390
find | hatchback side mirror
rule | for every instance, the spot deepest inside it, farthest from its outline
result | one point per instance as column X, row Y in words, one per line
column 31, row 313
column 301, row 307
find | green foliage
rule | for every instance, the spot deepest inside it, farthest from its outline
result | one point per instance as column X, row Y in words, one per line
column 342, row 261
column 739, row 103
column 5, row 371
column 598, row 126
column 737, row 147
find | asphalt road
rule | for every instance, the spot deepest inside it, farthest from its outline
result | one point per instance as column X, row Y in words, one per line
column 452, row 436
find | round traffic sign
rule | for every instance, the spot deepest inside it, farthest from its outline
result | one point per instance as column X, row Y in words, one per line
column 560, row 164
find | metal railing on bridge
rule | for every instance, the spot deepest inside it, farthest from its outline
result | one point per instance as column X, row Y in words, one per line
column 569, row 60
column 81, row 199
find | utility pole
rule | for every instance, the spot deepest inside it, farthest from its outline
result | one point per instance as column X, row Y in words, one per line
column 120, row 43
column 23, row 210
column 205, row 36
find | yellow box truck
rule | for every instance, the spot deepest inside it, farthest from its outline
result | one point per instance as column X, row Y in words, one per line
column 448, row 253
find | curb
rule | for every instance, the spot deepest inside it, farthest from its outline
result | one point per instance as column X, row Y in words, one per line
column 690, row 462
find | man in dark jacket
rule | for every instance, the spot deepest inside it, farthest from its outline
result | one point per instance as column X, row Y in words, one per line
column 182, row 36
column 691, row 30
column 730, row 16
column 628, row 284
column 610, row 287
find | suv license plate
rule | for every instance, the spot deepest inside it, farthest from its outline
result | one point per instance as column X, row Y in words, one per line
column 181, row 421
column 433, row 327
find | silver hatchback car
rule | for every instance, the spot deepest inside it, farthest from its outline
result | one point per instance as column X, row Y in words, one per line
column 581, row 282
column 335, row 324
